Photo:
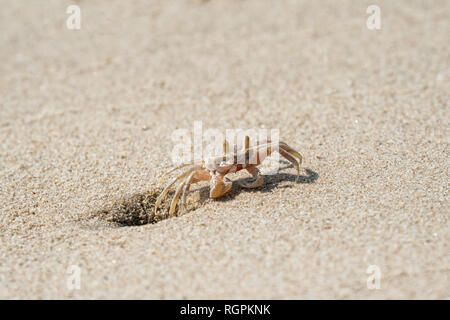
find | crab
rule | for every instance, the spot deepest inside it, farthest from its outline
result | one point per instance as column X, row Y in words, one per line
column 216, row 169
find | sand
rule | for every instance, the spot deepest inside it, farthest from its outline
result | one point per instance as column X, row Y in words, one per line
column 86, row 118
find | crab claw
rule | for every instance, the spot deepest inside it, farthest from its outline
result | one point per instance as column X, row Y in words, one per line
column 219, row 186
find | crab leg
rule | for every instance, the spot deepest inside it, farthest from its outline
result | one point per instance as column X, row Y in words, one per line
column 189, row 180
column 281, row 146
column 176, row 197
column 176, row 168
column 286, row 151
column 294, row 153
column 166, row 189
column 254, row 171
column 198, row 176
column 181, row 190
column 185, row 192
column 292, row 160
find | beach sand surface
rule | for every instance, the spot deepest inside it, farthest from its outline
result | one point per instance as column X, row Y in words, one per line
column 87, row 116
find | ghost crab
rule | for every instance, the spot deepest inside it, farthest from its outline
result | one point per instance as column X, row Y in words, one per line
column 215, row 170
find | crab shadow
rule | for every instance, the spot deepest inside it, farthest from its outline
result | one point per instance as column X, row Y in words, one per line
column 271, row 182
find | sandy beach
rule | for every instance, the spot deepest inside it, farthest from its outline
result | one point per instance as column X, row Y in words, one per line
column 87, row 116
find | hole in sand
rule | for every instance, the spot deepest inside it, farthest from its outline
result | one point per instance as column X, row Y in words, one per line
column 139, row 209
